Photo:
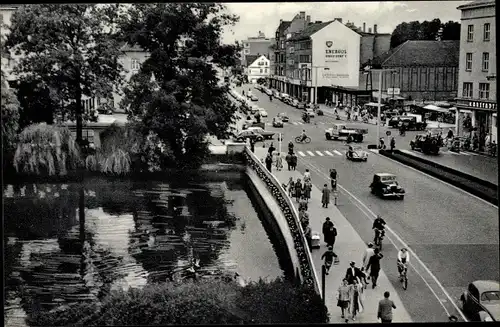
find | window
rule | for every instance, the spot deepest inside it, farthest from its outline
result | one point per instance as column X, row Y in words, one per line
column 246, row 51
column 468, row 61
column 484, row 91
column 282, row 44
column 292, row 49
column 265, row 71
column 470, row 33
column 265, row 63
column 309, row 44
column 247, row 45
column 467, row 90
column 261, row 70
column 135, row 64
column 486, row 32
column 486, row 62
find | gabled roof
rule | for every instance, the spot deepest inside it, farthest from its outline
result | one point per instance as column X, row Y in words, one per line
column 309, row 30
column 250, row 59
column 421, row 53
column 127, row 47
column 257, row 57
column 283, row 26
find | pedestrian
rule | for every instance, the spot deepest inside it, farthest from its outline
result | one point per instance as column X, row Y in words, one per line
column 343, row 296
column 326, row 228
column 374, row 266
column 269, row 162
column 393, row 143
column 288, row 160
column 294, row 161
column 290, row 185
column 279, row 162
column 303, row 203
column 308, row 235
column 328, row 256
column 304, row 218
column 290, row 147
column 352, row 273
column 307, row 190
column 298, row 189
column 356, row 298
column 385, row 307
column 331, row 235
column 368, row 253
column 307, row 176
column 333, row 179
column 325, row 198
column 271, row 148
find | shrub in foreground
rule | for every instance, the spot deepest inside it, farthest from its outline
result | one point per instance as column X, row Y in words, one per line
column 203, row 302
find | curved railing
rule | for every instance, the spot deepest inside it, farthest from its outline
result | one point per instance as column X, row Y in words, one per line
column 307, row 273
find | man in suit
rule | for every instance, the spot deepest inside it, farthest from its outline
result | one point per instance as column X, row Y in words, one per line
column 385, row 307
column 352, row 273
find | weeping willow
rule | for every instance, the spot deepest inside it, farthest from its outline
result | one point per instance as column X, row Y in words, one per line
column 46, row 150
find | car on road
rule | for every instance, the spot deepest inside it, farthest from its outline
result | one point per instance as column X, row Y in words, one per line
column 310, row 112
column 301, row 105
column 481, row 300
column 262, row 112
column 426, row 143
column 284, row 117
column 341, row 130
column 294, row 102
column 263, row 132
column 248, row 134
column 277, row 122
column 358, row 154
column 386, row 185
column 276, row 95
column 411, row 123
column 283, row 96
column 257, row 87
column 393, row 121
column 269, row 92
column 253, row 97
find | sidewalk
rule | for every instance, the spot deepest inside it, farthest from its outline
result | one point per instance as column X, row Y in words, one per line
column 342, row 114
column 348, row 246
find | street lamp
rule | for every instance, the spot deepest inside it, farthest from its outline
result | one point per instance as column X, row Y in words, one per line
column 379, row 96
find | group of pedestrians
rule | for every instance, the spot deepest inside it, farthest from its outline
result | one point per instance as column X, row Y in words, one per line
column 273, row 157
column 301, row 191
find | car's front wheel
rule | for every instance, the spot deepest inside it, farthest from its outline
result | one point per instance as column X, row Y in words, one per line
column 328, row 136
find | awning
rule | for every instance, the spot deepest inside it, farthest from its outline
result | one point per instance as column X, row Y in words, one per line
column 373, row 104
column 435, row 108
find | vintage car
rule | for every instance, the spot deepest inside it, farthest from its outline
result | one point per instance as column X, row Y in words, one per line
column 277, row 122
column 262, row 112
column 481, row 301
column 301, row 105
column 248, row 134
column 358, row 154
column 269, row 92
column 386, row 185
column 261, row 131
column 393, row 122
column 310, row 112
column 426, row 143
column 411, row 123
column 253, row 97
column 284, row 117
column 276, row 94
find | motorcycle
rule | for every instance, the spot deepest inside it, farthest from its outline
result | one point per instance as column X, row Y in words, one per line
column 299, row 139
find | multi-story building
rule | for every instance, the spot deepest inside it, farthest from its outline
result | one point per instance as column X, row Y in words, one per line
column 421, row 71
column 255, row 46
column 258, row 68
column 477, row 97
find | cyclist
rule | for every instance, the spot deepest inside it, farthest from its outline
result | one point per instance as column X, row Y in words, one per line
column 378, row 226
column 350, row 152
column 403, row 259
column 333, row 178
column 303, row 135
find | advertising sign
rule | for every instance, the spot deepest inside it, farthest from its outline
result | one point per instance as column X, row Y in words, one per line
column 393, row 91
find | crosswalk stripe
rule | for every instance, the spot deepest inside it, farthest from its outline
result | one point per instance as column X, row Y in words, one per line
column 301, row 153
column 337, row 152
column 300, row 123
column 320, row 154
column 329, row 153
column 465, row 153
column 310, row 153
column 295, row 123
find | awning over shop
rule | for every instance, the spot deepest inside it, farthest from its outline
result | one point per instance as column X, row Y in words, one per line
column 436, row 108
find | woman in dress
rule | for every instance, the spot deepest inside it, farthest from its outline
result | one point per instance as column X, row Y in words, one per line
column 307, row 190
column 355, row 297
column 291, row 186
column 298, row 189
column 343, row 296
column 279, row 162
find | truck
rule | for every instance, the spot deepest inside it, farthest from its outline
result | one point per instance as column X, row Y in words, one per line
column 340, row 130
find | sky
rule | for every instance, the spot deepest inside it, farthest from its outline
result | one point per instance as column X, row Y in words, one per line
column 265, row 16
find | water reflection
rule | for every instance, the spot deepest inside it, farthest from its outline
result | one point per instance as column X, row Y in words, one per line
column 127, row 235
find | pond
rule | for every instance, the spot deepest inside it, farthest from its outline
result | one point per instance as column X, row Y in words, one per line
column 129, row 234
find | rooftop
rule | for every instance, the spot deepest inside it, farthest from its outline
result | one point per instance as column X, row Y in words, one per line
column 250, row 59
column 421, row 53
column 309, row 30
column 477, row 3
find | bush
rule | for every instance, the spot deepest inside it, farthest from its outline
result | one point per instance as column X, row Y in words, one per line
column 46, row 150
column 206, row 302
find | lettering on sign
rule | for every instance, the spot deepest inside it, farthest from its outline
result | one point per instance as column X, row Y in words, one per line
column 335, row 75
column 479, row 104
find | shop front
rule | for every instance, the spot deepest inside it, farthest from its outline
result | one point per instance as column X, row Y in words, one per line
column 344, row 96
column 481, row 120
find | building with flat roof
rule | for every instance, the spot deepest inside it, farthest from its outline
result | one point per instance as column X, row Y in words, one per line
column 477, row 97
column 255, row 46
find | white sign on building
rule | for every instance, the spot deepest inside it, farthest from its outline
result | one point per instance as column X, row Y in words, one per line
column 335, row 56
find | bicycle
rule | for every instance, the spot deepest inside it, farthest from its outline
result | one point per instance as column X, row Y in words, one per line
column 404, row 276
column 379, row 236
column 299, row 139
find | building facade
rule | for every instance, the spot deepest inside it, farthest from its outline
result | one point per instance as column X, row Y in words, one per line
column 477, row 97
column 259, row 68
column 255, row 46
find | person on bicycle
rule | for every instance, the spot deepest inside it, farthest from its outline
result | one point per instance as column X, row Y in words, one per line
column 378, row 226
column 403, row 259
column 333, row 178
column 328, row 256
column 350, row 152
column 307, row 176
column 303, row 135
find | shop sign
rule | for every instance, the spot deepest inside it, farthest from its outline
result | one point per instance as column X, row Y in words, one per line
column 393, row 90
column 303, row 83
column 479, row 104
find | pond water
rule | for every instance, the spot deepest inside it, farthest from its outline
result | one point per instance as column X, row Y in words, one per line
column 130, row 234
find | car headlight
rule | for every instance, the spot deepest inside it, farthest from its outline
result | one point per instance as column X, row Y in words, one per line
column 488, row 318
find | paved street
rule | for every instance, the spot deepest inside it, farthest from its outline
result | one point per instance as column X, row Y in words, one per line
column 454, row 234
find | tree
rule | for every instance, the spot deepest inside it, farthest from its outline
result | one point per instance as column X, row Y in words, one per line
column 10, row 116
column 404, row 32
column 427, row 30
column 451, row 31
column 185, row 103
column 69, row 51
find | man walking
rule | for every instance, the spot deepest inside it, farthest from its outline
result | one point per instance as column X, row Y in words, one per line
column 331, row 236
column 294, row 161
column 288, row 160
column 374, row 266
column 326, row 228
column 367, row 255
column 325, row 198
column 385, row 307
column 269, row 162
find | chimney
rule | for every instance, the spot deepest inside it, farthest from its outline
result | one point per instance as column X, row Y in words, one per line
column 375, row 29
column 364, row 27
column 303, row 15
column 308, row 19
column 281, row 21
column 339, row 20
column 369, row 29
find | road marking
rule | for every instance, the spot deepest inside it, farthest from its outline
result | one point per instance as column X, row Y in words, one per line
column 471, row 153
column 310, row 153
column 337, row 152
column 329, row 153
column 436, row 179
column 301, row 153
column 300, row 123
column 295, row 123
column 320, row 154
column 371, row 216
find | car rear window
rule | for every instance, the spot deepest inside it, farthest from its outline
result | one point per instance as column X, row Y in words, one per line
column 388, row 178
column 490, row 296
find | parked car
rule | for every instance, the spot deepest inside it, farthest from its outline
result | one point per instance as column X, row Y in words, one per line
column 386, row 185
column 277, row 122
column 261, row 131
column 248, row 134
column 283, row 117
column 411, row 123
column 393, row 121
column 481, row 301
column 295, row 103
column 283, row 96
column 257, row 87
column 269, row 92
column 310, row 112
column 301, row 105
column 262, row 112
column 358, row 154
column 426, row 143
column 276, row 94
